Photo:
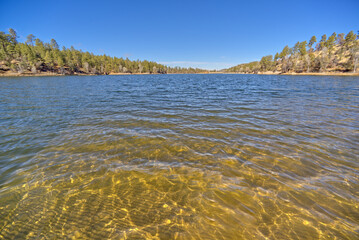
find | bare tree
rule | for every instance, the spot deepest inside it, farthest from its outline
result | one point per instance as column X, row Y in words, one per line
column 324, row 60
column 355, row 56
column 86, row 67
column 33, row 69
column 307, row 61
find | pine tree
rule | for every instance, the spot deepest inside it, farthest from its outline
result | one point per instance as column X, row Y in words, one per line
column 30, row 39
column 284, row 52
column 311, row 42
column 54, row 44
column 302, row 48
column 350, row 39
column 331, row 42
column 266, row 63
column 276, row 56
column 322, row 42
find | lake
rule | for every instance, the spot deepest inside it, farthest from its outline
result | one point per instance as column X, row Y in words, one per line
column 179, row 157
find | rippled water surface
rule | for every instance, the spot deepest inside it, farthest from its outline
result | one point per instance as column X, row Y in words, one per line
column 179, row 157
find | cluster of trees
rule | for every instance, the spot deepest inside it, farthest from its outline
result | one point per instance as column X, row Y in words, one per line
column 338, row 53
column 36, row 56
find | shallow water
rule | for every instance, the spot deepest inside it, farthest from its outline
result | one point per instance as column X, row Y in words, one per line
column 179, row 157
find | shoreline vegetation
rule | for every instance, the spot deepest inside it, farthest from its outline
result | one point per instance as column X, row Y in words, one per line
column 302, row 73
column 50, row 74
column 35, row 57
column 338, row 56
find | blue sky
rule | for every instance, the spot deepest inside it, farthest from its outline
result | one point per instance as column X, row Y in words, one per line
column 205, row 34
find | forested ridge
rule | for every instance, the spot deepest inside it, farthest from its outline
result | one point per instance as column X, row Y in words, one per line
column 35, row 56
column 336, row 53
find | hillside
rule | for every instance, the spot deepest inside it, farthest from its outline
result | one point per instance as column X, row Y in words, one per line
column 34, row 57
column 337, row 54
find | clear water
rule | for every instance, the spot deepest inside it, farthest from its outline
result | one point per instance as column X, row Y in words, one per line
column 179, row 157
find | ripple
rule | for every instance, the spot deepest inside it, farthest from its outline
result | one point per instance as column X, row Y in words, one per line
column 179, row 157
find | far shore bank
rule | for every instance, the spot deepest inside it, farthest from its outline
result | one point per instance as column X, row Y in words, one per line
column 49, row 74
column 303, row 74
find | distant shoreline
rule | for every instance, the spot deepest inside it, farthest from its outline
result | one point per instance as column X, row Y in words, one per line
column 303, row 74
column 50, row 74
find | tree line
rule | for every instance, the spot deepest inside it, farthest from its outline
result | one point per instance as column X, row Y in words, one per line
column 336, row 53
column 36, row 56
